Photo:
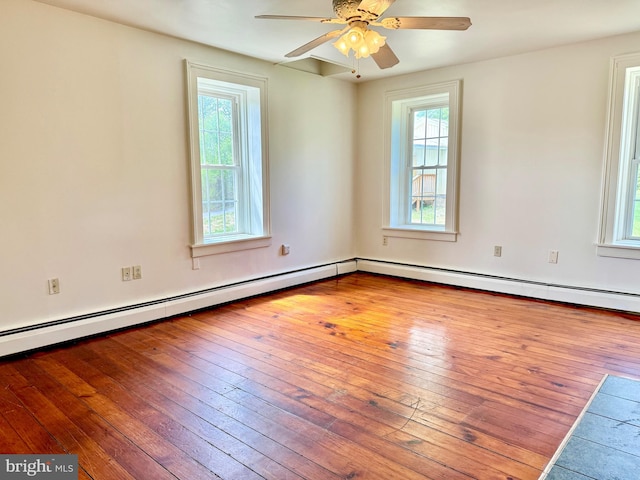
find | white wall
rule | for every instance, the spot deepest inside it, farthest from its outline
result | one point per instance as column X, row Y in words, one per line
column 94, row 169
column 531, row 167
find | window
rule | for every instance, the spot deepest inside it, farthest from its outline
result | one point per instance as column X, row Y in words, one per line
column 422, row 129
column 620, row 214
column 227, row 123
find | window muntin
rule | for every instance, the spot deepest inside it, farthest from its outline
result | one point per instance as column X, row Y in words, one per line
column 422, row 166
column 619, row 234
column 227, row 116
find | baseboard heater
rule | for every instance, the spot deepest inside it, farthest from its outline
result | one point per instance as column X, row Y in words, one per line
column 50, row 333
column 592, row 297
column 64, row 330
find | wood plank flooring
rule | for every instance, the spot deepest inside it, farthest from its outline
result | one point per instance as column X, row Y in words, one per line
column 360, row 377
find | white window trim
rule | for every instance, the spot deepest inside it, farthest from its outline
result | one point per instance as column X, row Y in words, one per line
column 230, row 245
column 233, row 242
column 611, row 235
column 397, row 104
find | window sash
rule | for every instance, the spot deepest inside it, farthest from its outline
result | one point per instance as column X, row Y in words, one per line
column 415, row 174
column 221, row 214
column 630, row 180
column 230, row 208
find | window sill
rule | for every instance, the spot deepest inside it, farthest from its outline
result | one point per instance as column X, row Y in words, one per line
column 229, row 245
column 619, row 251
column 421, row 234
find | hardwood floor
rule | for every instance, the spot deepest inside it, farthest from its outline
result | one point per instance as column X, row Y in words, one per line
column 361, row 377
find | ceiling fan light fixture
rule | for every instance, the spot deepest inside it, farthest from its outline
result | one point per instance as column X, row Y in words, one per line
column 355, row 36
column 341, row 44
column 362, row 52
column 361, row 40
column 374, row 41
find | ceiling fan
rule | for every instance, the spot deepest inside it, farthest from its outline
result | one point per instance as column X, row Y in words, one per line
column 359, row 15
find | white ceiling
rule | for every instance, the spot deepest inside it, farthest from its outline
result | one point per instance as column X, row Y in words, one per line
column 499, row 27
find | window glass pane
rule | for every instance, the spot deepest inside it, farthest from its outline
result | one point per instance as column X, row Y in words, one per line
column 444, row 122
column 433, row 147
column 444, row 151
column 419, row 151
column 225, row 114
column 433, row 122
column 223, row 219
column 229, row 185
column 208, row 107
column 419, row 123
column 215, row 186
column 209, row 148
column 441, row 197
column 422, row 196
column 206, row 203
column 422, row 211
column 219, row 201
column 226, row 148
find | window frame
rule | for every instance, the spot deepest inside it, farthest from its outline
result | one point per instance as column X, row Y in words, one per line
column 622, row 140
column 398, row 138
column 249, row 94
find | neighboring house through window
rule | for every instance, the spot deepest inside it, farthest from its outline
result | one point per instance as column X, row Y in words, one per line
column 423, row 157
column 227, row 123
column 620, row 215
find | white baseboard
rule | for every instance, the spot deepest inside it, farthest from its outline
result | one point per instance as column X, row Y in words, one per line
column 580, row 296
column 51, row 334
column 46, row 335
column 101, row 322
column 249, row 289
column 350, row 266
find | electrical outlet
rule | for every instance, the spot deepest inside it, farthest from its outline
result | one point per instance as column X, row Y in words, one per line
column 286, row 249
column 137, row 272
column 385, row 240
column 126, row 274
column 553, row 256
column 54, row 286
column 497, row 251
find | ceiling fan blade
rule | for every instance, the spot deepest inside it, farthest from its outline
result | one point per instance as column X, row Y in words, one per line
column 310, row 19
column 314, row 43
column 385, row 58
column 374, row 8
column 430, row 23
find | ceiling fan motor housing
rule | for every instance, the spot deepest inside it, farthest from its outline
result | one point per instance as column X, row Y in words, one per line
column 346, row 9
